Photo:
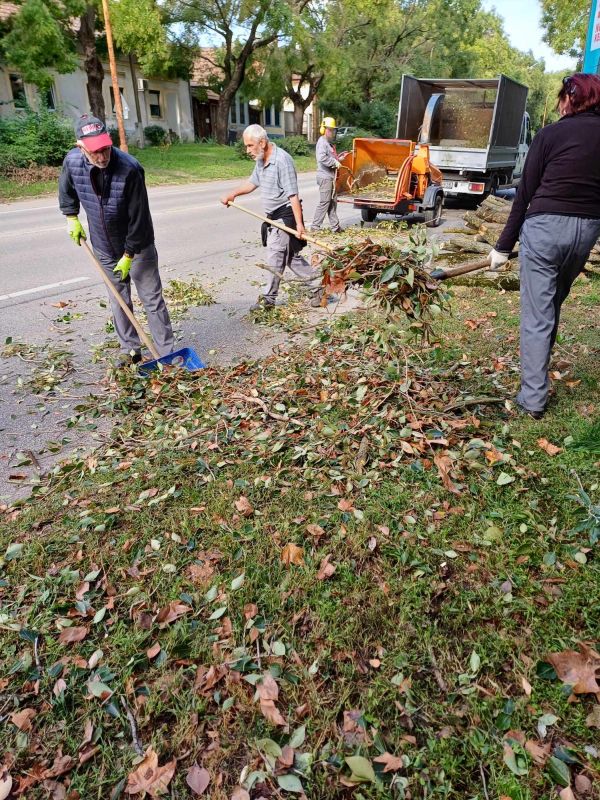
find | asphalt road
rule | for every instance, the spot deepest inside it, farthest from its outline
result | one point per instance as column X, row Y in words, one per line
column 41, row 270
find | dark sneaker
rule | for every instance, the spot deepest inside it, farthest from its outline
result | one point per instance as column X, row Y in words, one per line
column 262, row 305
column 533, row 414
column 127, row 359
column 316, row 300
column 337, row 230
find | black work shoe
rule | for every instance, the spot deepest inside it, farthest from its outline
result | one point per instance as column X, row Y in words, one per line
column 127, row 359
column 262, row 305
column 316, row 300
column 533, row 414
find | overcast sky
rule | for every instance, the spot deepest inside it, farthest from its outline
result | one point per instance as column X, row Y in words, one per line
column 522, row 24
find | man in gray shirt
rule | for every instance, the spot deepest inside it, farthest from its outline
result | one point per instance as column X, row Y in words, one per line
column 275, row 173
column 327, row 166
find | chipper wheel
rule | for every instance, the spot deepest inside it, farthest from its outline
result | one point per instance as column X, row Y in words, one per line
column 433, row 216
column 368, row 215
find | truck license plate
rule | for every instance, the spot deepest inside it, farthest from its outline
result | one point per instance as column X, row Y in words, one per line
column 448, row 184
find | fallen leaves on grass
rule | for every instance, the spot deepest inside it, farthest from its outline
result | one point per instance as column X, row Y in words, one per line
column 150, row 779
column 548, row 447
column 578, row 669
column 391, row 763
column 71, row 635
column 244, row 506
column 444, row 464
column 172, row 612
column 22, row 719
column 268, row 694
column 326, row 569
column 292, row 554
column 593, row 719
column 198, row 779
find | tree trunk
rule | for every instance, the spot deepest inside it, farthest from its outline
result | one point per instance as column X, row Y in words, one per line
column 298, row 118
column 91, row 62
column 222, row 118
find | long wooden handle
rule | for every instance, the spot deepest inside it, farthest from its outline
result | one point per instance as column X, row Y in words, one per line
column 283, row 227
column 464, row 269
column 140, row 331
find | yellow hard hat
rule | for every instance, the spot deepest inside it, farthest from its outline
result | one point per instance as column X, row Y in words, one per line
column 328, row 122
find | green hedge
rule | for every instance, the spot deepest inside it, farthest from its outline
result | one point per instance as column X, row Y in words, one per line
column 34, row 137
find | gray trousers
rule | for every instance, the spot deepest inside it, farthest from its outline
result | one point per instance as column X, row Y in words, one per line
column 278, row 258
column 553, row 251
column 145, row 276
column 327, row 204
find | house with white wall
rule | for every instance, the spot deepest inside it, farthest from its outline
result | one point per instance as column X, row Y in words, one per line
column 146, row 100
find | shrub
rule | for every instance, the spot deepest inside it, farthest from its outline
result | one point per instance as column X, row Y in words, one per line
column 294, row 145
column 34, row 137
column 240, row 149
column 155, row 135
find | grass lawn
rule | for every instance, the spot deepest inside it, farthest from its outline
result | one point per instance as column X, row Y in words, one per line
column 179, row 163
column 331, row 572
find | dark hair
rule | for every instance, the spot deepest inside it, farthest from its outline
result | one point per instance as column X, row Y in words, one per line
column 583, row 92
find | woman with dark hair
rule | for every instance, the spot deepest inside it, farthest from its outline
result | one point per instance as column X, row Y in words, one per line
column 556, row 218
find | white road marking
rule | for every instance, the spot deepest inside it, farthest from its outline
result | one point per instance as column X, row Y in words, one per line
column 42, row 288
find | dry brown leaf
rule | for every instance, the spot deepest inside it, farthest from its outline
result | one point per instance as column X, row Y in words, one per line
column 60, row 765
column 583, row 784
column 315, row 530
column 70, row 635
column 292, row 554
column 353, row 732
column 345, row 505
column 538, row 752
column 268, row 692
column 392, row 763
column 286, row 759
column 326, row 569
column 153, row 651
column 566, row 794
column 170, row 613
column 443, row 463
column 593, row 719
column 548, row 447
column 149, row 778
column 250, row 611
column 493, row 456
column 197, row 779
column 271, row 713
column 577, row 669
column 59, row 687
column 22, row 719
column 6, row 783
column 239, row 793
column 244, row 506
column 526, row 686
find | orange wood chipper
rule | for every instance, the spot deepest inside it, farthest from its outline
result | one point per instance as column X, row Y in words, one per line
column 391, row 176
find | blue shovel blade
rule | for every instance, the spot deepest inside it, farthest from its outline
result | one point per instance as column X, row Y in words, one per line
column 186, row 358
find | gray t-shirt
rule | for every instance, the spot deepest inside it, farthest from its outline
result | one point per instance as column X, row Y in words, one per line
column 326, row 158
column 277, row 180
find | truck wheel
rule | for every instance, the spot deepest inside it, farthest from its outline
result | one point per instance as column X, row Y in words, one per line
column 368, row 215
column 433, row 216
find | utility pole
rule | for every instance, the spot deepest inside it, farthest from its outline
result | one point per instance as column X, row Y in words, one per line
column 115, row 77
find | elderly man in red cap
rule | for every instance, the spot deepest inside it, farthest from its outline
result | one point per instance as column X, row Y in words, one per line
column 109, row 185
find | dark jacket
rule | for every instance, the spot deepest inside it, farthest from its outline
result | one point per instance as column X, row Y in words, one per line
column 283, row 214
column 114, row 199
column 561, row 175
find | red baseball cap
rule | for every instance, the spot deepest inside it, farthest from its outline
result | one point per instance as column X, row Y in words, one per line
column 92, row 132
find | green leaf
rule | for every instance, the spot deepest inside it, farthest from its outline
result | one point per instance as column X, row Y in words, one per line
column 218, row 613
column 269, row 747
column 297, row 738
column 504, row 478
column 99, row 615
column 361, row 392
column 558, row 771
column 99, row 689
column 290, row 783
column 238, row 582
column 545, row 671
column 516, row 761
column 362, row 769
column 278, row 648
column 388, row 273
column 211, row 594
column 410, row 277
column 14, row 550
column 474, row 663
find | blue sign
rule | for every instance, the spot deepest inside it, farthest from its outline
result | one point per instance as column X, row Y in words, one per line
column 591, row 61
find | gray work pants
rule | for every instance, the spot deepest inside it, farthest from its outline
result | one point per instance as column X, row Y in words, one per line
column 145, row 276
column 553, row 251
column 327, row 204
column 278, row 258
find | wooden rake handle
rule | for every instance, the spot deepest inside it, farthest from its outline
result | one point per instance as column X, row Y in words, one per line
column 140, row 331
column 275, row 224
column 463, row 269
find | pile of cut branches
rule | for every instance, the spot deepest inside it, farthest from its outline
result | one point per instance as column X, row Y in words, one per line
column 392, row 275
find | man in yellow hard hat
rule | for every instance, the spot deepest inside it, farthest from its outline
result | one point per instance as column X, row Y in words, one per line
column 327, row 166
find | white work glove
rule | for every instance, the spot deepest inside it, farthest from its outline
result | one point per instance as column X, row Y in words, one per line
column 497, row 260
column 338, row 164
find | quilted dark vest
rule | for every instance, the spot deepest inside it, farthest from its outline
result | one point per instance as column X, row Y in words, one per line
column 107, row 215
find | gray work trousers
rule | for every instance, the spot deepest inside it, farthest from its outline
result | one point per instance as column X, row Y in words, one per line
column 278, row 258
column 553, row 251
column 145, row 275
column 327, row 204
